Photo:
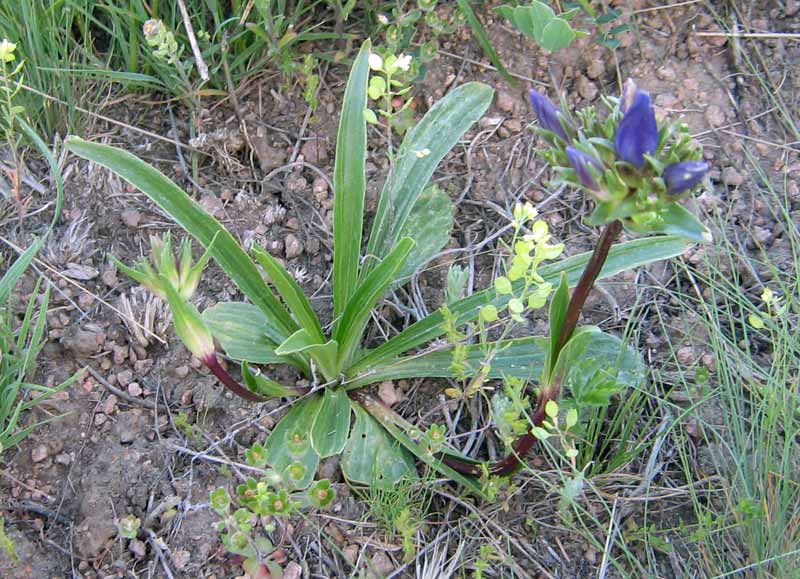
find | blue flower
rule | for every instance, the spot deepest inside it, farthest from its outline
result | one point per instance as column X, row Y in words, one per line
column 549, row 116
column 637, row 134
column 583, row 165
column 680, row 177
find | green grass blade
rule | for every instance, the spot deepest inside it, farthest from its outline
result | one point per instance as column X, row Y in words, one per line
column 354, row 319
column 14, row 273
column 203, row 227
column 292, row 294
column 420, row 153
column 622, row 256
column 479, row 32
column 349, row 183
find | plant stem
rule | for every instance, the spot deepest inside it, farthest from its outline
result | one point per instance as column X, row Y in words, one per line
column 522, row 445
column 229, row 381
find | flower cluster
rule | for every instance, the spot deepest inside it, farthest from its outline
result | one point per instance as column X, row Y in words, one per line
column 162, row 40
column 633, row 170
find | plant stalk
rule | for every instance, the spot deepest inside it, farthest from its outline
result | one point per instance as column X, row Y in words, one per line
column 229, row 381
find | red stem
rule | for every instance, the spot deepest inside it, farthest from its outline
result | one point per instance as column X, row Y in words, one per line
column 229, row 381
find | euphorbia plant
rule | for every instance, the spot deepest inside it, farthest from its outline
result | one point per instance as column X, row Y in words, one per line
column 338, row 414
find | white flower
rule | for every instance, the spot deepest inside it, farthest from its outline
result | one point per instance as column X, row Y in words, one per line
column 375, row 61
column 404, row 62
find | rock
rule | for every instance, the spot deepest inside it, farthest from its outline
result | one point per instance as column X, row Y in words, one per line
column 315, row 151
column 293, row 246
column 138, row 549
column 212, row 204
column 715, row 116
column 382, row 564
column 686, row 356
column 731, row 177
column 180, row 559
column 596, row 69
column 80, row 271
column 110, row 405
column 329, row 468
column 124, row 378
column 292, row 571
column 505, row 102
column 269, row 156
column 64, row 458
column 182, row 371
column 39, row 453
column 134, row 389
column 131, row 217
column 587, row 89
column 130, row 426
column 792, row 8
column 388, row 394
column 82, row 343
column 312, row 246
column 762, row 235
column 666, row 73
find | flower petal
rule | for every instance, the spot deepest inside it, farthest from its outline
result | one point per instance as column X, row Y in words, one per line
column 549, row 116
column 583, row 165
column 637, row 134
column 680, row 177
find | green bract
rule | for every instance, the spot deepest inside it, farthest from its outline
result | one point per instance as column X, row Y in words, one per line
column 338, row 416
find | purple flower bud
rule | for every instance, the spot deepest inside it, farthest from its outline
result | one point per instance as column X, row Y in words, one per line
column 680, row 177
column 638, row 131
column 583, row 165
column 549, row 116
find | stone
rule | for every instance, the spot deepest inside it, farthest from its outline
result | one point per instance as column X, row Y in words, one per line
column 130, row 425
column 388, row 394
column 315, row 151
column 131, row 217
column 686, row 356
column 505, row 102
column 293, row 247
column 39, row 453
column 731, row 177
column 138, row 549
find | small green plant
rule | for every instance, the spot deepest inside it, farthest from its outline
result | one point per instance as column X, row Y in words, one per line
column 337, row 415
column 553, row 32
column 275, row 494
column 128, row 526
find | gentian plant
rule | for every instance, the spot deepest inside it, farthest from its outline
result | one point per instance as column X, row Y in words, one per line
column 339, row 414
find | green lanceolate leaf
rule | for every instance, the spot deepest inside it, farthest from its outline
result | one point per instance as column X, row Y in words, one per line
column 325, row 355
column 203, row 227
column 260, row 384
column 354, row 319
column 240, row 329
column 622, row 256
column 520, row 358
column 595, row 365
column 292, row 294
column 372, row 457
column 429, row 225
column 420, row 153
column 349, row 183
column 485, row 43
column 332, row 423
column 289, row 444
column 558, row 313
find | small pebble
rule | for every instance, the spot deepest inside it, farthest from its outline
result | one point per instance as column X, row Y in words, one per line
column 731, row 177
column 505, row 102
column 134, row 389
column 388, row 394
column 293, row 246
column 131, row 217
column 39, row 453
